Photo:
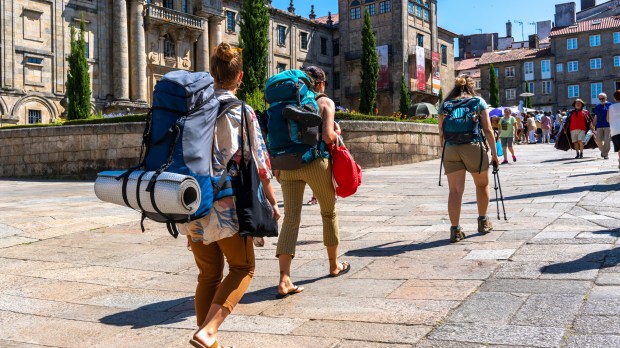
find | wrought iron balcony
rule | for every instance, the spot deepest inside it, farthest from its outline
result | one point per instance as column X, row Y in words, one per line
column 166, row 15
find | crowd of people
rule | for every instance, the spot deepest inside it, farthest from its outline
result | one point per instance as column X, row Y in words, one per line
column 575, row 129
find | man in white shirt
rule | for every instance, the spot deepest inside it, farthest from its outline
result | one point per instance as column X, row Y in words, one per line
column 613, row 117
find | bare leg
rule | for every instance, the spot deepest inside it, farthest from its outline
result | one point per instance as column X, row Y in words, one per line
column 483, row 191
column 456, row 184
column 286, row 284
column 512, row 150
column 505, row 153
column 335, row 267
column 207, row 334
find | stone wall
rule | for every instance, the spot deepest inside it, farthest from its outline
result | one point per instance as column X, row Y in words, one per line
column 82, row 151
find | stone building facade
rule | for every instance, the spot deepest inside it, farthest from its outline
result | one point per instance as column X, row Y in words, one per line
column 131, row 44
column 515, row 69
column 399, row 26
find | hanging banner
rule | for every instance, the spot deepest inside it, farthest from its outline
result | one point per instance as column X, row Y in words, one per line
column 421, row 68
column 384, row 74
column 436, row 74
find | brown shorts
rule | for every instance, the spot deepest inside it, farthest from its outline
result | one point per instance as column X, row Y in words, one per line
column 466, row 156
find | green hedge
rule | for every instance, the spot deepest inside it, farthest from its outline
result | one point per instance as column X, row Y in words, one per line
column 121, row 119
column 348, row 116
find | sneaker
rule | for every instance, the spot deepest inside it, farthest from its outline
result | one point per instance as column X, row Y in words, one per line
column 505, row 161
column 456, row 234
column 577, row 156
column 514, row 158
column 484, row 224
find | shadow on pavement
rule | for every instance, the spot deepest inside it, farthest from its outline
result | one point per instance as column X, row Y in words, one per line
column 589, row 174
column 612, row 232
column 557, row 192
column 268, row 294
column 596, row 260
column 387, row 250
column 152, row 314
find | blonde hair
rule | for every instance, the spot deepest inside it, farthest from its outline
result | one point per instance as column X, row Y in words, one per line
column 226, row 64
column 463, row 85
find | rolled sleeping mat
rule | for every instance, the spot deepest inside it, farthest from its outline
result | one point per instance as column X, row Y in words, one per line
column 173, row 193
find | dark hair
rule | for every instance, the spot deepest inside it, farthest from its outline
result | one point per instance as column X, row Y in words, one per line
column 463, row 85
column 316, row 74
column 226, row 64
column 617, row 95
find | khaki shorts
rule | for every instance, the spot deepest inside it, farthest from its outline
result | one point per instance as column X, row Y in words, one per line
column 577, row 135
column 466, row 156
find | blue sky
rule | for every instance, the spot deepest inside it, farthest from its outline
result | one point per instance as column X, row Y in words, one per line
column 465, row 17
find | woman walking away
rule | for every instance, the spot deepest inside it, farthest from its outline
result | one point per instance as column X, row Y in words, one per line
column 216, row 236
column 508, row 132
column 462, row 118
column 531, row 129
column 318, row 175
column 613, row 118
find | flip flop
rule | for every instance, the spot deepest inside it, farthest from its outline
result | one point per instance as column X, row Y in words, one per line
column 346, row 267
column 292, row 292
column 197, row 344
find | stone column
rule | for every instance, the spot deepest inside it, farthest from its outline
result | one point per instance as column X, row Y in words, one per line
column 203, row 50
column 138, row 52
column 120, row 56
column 215, row 32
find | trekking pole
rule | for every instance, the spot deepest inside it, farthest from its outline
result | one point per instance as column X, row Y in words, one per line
column 495, row 171
column 501, row 196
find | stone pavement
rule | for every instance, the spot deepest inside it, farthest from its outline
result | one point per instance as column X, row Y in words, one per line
column 76, row 272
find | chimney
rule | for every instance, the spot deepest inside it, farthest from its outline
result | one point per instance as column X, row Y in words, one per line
column 586, row 4
column 565, row 14
column 312, row 14
column 508, row 29
column 533, row 41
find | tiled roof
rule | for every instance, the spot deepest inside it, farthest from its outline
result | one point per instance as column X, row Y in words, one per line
column 323, row 20
column 513, row 55
column 589, row 25
column 466, row 64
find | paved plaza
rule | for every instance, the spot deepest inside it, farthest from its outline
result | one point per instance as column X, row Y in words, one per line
column 76, row 272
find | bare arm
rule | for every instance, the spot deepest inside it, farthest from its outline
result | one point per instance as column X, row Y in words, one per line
column 515, row 128
column 608, row 115
column 328, row 111
column 440, row 119
column 268, row 189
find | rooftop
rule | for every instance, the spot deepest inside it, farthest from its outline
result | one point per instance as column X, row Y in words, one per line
column 513, row 55
column 323, row 20
column 466, row 64
column 589, row 25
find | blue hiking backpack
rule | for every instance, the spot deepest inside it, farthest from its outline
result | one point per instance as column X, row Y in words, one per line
column 178, row 138
column 461, row 125
column 293, row 121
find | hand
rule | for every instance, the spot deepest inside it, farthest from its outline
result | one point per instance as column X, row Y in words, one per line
column 495, row 161
column 337, row 128
column 276, row 173
column 276, row 212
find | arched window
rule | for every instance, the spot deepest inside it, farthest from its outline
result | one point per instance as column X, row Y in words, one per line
column 169, row 47
column 356, row 10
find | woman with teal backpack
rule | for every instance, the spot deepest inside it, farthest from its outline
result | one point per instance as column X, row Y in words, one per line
column 463, row 124
column 318, row 175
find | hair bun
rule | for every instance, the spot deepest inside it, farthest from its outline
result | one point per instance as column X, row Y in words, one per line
column 460, row 81
column 225, row 52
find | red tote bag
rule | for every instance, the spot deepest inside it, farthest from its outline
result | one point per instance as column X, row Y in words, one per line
column 347, row 174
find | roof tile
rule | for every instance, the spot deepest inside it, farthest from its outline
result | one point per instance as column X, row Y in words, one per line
column 513, row 55
column 589, row 25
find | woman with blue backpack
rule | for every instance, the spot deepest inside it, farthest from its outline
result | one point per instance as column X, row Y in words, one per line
column 463, row 125
column 215, row 237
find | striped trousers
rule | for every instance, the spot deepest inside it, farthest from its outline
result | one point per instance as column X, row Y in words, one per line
column 318, row 175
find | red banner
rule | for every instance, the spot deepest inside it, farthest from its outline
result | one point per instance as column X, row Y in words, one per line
column 436, row 74
column 421, row 69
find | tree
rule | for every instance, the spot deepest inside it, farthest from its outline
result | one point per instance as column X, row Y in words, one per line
column 528, row 100
column 494, row 99
column 370, row 67
column 78, row 79
column 405, row 98
column 254, row 29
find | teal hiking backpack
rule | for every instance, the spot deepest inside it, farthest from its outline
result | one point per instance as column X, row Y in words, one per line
column 461, row 125
column 293, row 121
